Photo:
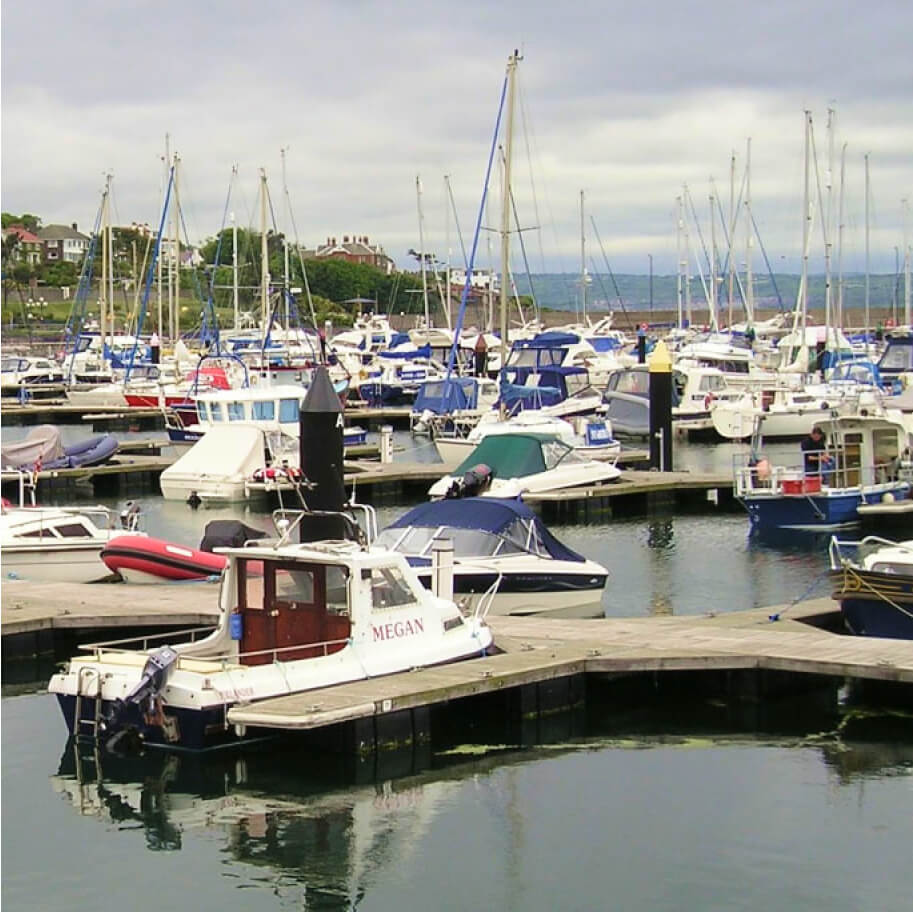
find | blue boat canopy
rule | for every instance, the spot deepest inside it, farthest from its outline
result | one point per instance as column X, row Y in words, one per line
column 510, row 520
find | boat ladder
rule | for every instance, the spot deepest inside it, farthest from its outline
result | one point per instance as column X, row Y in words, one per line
column 92, row 724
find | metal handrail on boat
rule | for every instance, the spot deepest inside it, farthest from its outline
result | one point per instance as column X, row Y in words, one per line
column 146, row 640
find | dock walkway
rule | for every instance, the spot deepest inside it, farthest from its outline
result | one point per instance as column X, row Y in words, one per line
column 535, row 650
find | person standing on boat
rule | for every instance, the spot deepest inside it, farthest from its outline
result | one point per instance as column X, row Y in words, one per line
column 155, row 348
column 814, row 453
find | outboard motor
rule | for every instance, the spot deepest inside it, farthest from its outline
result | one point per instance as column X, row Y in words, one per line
column 129, row 516
column 140, row 703
column 473, row 483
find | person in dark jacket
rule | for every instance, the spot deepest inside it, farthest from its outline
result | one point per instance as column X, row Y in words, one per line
column 814, row 455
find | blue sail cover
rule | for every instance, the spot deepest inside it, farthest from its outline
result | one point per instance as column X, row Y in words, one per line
column 487, row 514
column 441, row 397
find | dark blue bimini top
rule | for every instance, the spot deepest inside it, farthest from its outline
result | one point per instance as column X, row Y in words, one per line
column 487, row 514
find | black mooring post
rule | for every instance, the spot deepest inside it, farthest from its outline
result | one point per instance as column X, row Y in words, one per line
column 660, row 369
column 641, row 346
column 320, row 451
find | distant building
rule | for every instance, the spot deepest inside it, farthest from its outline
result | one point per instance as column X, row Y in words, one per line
column 355, row 249
column 29, row 247
column 63, row 243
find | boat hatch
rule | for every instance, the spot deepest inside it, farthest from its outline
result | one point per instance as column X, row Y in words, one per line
column 295, row 610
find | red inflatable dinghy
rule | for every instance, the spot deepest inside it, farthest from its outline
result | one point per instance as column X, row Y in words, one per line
column 142, row 559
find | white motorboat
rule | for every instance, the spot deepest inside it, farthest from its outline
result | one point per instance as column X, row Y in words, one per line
column 60, row 545
column 508, row 465
column 22, row 372
column 239, row 434
column 500, row 545
column 292, row 618
column 590, row 437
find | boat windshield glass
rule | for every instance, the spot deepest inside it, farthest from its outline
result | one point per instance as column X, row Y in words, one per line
column 235, row 411
column 389, row 588
column 467, row 543
column 555, row 452
column 897, row 357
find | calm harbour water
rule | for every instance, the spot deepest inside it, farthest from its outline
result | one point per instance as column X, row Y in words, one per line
column 681, row 811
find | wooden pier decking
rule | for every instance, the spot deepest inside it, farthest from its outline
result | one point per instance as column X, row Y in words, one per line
column 534, row 649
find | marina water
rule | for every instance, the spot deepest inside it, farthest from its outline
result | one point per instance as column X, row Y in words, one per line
column 686, row 806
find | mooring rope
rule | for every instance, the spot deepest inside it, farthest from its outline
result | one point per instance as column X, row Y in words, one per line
column 864, row 584
column 815, row 583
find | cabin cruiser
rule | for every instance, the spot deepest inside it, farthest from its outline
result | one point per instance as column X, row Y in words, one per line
column 873, row 581
column 19, row 373
column 453, row 404
column 508, row 465
column 864, row 461
column 293, row 617
column 241, row 438
column 60, row 544
column 590, row 436
column 501, row 545
column 696, row 390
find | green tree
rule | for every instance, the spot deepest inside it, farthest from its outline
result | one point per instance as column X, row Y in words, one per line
column 27, row 220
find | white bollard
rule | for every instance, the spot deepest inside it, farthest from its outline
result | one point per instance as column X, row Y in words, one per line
column 386, row 443
column 442, row 568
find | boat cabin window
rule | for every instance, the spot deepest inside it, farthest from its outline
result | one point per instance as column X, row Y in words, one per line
column 634, row 382
column 72, row 530
column 288, row 411
column 576, row 383
column 235, row 411
column 202, row 412
column 215, row 409
column 264, row 410
column 389, row 589
column 885, row 450
column 36, row 533
column 712, row 382
column 897, row 357
column 679, row 382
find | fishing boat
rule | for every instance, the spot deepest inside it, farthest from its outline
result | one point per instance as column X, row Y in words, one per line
column 866, row 462
column 61, row 545
column 508, row 465
column 292, row 618
column 873, row 581
column 501, row 545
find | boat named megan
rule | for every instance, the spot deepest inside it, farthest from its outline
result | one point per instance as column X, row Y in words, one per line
column 293, row 617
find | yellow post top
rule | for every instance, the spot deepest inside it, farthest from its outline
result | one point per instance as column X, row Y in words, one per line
column 660, row 361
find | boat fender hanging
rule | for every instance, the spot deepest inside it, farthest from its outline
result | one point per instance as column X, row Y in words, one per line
column 236, row 625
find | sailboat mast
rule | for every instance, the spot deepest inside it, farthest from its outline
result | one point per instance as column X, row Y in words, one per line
column 177, row 253
column 867, row 262
column 712, row 297
column 264, row 259
column 421, row 244
column 505, row 204
column 103, row 289
column 678, row 270
column 731, row 245
column 840, row 227
column 806, row 229
column 582, row 260
column 285, row 265
column 906, row 262
column 749, row 239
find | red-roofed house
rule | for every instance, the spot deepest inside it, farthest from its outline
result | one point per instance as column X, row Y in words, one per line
column 28, row 247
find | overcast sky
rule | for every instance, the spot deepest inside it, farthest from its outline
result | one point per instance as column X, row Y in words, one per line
column 627, row 102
